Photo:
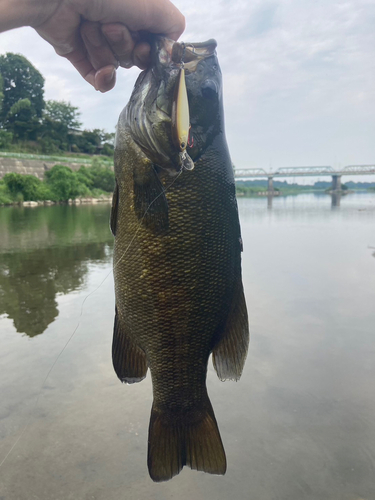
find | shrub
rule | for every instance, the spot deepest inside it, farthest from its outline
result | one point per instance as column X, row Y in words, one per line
column 85, row 176
column 5, row 139
column 108, row 149
column 49, row 146
column 26, row 185
column 5, row 197
column 64, row 183
column 102, row 177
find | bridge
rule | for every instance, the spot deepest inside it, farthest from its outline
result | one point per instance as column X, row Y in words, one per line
column 260, row 173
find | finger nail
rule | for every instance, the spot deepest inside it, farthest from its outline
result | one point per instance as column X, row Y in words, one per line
column 108, row 81
column 109, row 76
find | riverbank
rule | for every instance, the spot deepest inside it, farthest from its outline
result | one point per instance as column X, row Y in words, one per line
column 75, row 201
column 60, row 184
column 37, row 165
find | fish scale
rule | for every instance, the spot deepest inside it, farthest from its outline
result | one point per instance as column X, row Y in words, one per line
column 179, row 295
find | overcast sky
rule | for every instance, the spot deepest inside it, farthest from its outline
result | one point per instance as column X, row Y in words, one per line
column 299, row 78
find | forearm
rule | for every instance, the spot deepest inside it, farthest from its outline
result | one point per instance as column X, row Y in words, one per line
column 17, row 13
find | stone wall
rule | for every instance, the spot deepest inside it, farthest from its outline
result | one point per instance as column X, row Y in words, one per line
column 31, row 167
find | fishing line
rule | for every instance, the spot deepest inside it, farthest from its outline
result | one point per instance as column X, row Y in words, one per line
column 163, row 191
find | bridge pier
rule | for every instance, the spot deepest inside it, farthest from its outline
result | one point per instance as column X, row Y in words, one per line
column 270, row 184
column 336, row 182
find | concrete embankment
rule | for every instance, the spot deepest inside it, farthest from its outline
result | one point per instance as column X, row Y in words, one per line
column 31, row 167
column 37, row 168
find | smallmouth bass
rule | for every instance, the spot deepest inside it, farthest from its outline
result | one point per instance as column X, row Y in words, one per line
column 177, row 254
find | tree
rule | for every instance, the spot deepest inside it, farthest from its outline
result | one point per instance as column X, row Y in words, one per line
column 1, row 92
column 62, row 112
column 94, row 141
column 21, row 81
column 21, row 120
column 60, row 119
column 5, row 136
column 5, row 139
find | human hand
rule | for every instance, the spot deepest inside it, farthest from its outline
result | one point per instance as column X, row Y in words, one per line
column 97, row 36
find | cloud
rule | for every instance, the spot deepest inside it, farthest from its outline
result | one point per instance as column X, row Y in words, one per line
column 298, row 78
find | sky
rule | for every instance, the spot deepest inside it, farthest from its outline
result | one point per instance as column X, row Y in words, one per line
column 299, row 79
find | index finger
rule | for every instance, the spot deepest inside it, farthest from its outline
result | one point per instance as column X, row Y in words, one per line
column 164, row 18
column 155, row 16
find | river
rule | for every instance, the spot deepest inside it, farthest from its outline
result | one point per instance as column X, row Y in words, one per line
column 299, row 425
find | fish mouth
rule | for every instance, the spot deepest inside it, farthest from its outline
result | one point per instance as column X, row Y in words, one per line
column 150, row 109
column 168, row 53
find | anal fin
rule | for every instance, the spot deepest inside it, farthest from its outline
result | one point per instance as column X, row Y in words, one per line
column 230, row 352
column 129, row 360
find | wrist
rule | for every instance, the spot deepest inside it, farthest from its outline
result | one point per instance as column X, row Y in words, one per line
column 17, row 13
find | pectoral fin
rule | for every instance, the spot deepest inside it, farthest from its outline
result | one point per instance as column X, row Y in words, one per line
column 150, row 202
column 230, row 352
column 129, row 360
column 113, row 219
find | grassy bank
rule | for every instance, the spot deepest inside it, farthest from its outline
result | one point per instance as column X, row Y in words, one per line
column 63, row 158
column 60, row 185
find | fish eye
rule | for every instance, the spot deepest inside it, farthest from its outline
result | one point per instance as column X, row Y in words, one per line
column 209, row 89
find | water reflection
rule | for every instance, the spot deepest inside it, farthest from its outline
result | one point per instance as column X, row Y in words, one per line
column 48, row 259
column 41, row 227
column 335, row 200
column 309, row 207
column 269, row 201
column 30, row 281
column 298, row 426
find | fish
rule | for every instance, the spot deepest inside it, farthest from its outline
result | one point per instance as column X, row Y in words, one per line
column 177, row 253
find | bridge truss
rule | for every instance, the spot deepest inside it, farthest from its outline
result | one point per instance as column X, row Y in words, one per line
column 251, row 173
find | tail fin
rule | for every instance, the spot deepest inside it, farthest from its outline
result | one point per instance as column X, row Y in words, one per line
column 192, row 439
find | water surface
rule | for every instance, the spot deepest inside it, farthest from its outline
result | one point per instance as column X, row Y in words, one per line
column 300, row 423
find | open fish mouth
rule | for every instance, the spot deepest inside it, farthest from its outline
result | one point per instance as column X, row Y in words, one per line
column 158, row 113
column 192, row 53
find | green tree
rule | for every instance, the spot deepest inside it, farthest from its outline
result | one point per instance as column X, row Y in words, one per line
column 5, row 139
column 1, row 92
column 60, row 119
column 94, row 141
column 22, row 121
column 64, row 113
column 20, row 81
column 89, row 141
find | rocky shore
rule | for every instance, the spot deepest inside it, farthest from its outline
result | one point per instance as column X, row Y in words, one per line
column 76, row 201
